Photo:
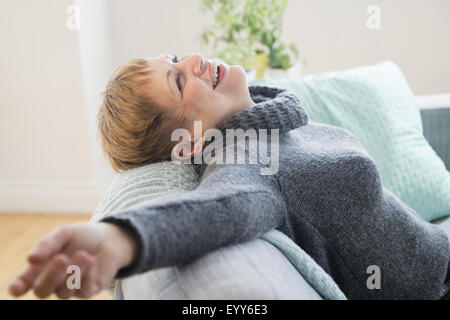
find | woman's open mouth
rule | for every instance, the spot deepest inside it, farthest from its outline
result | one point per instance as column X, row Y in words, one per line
column 218, row 71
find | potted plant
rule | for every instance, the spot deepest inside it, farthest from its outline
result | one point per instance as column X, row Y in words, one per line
column 248, row 32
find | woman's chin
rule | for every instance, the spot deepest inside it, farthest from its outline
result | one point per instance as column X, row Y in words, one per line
column 239, row 69
column 239, row 76
column 235, row 80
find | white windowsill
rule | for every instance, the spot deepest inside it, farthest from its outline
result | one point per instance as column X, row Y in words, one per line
column 434, row 101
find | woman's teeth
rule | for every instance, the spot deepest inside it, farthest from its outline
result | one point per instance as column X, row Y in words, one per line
column 215, row 74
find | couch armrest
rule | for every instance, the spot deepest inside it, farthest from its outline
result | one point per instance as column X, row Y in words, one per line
column 254, row 270
column 435, row 113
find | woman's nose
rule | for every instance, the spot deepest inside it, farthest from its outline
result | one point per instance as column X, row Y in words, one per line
column 195, row 63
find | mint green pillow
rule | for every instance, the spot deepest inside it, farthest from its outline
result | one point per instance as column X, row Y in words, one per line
column 376, row 104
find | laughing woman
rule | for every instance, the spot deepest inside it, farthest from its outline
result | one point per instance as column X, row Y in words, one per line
column 326, row 195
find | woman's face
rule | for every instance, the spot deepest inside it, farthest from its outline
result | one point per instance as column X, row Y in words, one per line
column 186, row 87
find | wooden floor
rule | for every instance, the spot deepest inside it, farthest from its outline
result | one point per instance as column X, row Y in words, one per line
column 18, row 235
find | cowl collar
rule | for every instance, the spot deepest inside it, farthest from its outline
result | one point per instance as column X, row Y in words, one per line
column 274, row 108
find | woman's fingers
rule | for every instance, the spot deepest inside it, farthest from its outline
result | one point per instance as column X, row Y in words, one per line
column 25, row 281
column 45, row 248
column 89, row 283
column 79, row 260
column 50, row 245
column 53, row 274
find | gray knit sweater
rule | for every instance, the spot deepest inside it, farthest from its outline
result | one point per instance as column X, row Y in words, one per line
column 326, row 195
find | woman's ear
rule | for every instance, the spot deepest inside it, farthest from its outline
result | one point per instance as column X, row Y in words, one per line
column 186, row 149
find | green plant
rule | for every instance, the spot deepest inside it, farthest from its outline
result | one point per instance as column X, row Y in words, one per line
column 244, row 29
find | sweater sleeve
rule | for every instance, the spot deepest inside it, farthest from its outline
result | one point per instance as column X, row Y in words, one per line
column 232, row 204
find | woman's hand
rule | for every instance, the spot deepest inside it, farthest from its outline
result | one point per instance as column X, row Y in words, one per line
column 98, row 249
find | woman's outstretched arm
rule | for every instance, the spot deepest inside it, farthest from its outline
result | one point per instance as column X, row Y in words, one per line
column 232, row 204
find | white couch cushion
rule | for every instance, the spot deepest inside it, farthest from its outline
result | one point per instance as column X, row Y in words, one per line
column 251, row 270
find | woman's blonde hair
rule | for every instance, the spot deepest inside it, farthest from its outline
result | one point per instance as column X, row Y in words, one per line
column 134, row 130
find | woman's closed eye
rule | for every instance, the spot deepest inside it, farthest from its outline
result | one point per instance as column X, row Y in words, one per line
column 175, row 59
column 178, row 76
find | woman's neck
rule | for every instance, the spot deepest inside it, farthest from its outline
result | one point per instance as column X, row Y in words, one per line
column 214, row 123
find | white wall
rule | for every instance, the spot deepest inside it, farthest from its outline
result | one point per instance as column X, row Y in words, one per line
column 415, row 34
column 330, row 34
column 49, row 159
column 42, row 129
column 148, row 28
column 96, row 59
